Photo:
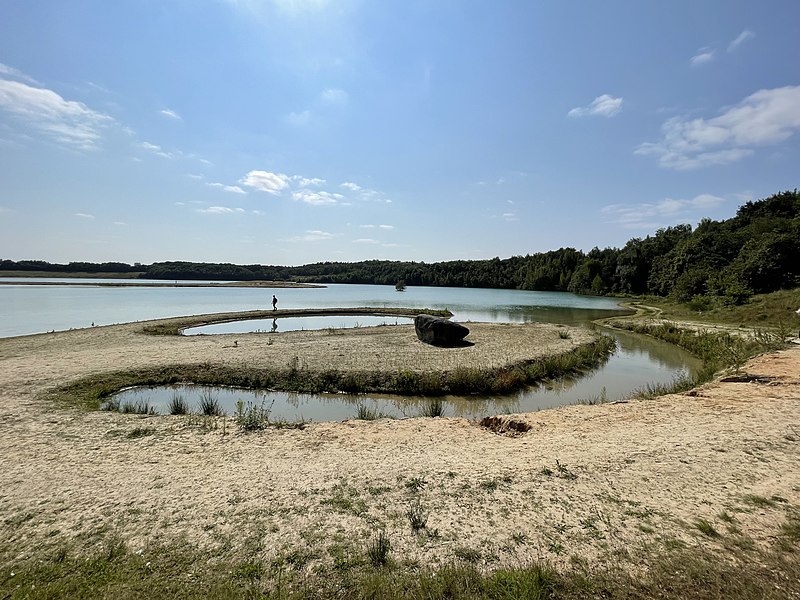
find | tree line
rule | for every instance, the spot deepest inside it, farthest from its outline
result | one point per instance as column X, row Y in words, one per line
column 757, row 251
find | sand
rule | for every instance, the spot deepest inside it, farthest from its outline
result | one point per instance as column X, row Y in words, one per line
column 591, row 483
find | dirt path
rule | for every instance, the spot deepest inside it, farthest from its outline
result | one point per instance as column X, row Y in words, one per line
column 586, row 482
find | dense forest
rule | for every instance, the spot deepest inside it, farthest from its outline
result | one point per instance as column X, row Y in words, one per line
column 756, row 251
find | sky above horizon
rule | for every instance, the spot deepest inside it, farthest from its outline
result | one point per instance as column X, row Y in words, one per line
column 296, row 131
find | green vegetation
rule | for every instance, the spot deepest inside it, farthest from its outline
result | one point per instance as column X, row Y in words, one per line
column 434, row 407
column 178, row 405
column 718, row 264
column 183, row 571
column 92, row 391
column 717, row 349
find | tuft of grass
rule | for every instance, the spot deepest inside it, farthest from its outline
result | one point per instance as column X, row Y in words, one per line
column 759, row 501
column 433, row 407
column 178, row 405
column 564, row 334
column 138, row 432
column 365, row 413
column 417, row 516
column 209, row 405
column 138, row 407
column 706, row 528
column 252, row 417
column 378, row 549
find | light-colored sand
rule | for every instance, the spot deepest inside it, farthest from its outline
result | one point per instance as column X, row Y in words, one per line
column 587, row 481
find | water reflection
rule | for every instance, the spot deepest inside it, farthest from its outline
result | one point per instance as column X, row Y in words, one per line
column 302, row 323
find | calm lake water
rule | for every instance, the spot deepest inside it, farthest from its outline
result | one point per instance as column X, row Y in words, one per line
column 637, row 362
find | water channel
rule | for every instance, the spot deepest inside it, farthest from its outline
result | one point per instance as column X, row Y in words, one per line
column 638, row 360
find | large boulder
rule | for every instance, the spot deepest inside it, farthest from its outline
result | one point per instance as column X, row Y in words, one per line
column 439, row 332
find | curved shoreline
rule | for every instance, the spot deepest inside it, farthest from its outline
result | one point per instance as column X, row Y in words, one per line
column 616, row 484
column 384, row 359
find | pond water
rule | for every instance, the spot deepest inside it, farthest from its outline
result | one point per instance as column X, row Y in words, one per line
column 309, row 323
column 638, row 360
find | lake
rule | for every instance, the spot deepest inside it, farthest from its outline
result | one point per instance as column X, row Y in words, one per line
column 638, row 361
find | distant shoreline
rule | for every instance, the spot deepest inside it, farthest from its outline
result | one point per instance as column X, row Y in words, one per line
column 143, row 284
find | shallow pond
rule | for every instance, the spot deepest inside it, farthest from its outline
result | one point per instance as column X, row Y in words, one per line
column 310, row 323
column 638, row 361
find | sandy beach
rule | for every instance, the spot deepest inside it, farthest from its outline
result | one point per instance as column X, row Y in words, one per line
column 586, row 483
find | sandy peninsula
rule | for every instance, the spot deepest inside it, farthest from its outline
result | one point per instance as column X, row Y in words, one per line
column 603, row 484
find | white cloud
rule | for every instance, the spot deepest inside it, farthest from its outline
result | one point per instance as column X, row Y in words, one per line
column 741, row 39
column 171, row 114
column 365, row 241
column 306, row 181
column 335, row 96
column 120, row 223
column 264, row 181
column 221, row 210
column 156, row 149
column 510, row 217
column 65, row 121
column 386, row 226
column 7, row 71
column 602, row 106
column 313, row 235
column 703, row 56
column 659, row 214
column 353, row 187
column 84, row 215
column 764, row 118
column 235, row 189
column 317, row 198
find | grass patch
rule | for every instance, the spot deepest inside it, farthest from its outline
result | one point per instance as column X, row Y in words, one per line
column 417, row 515
column 378, row 549
column 184, row 571
column 138, row 432
column 178, row 405
column 434, row 407
column 706, row 528
column 209, row 405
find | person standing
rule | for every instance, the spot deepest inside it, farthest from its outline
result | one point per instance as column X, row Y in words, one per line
column 274, row 302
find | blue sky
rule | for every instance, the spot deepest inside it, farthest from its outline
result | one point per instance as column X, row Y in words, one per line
column 296, row 131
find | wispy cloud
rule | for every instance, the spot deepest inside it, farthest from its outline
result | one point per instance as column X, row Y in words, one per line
column 264, row 181
column 602, row 106
column 84, row 215
column 234, row 189
column 317, row 198
column 741, row 39
column 221, row 210
column 764, row 118
column 366, row 241
column 171, row 114
column 349, row 185
column 157, row 150
column 12, row 73
column 659, row 214
column 313, row 235
column 64, row 121
column 703, row 56
column 335, row 96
